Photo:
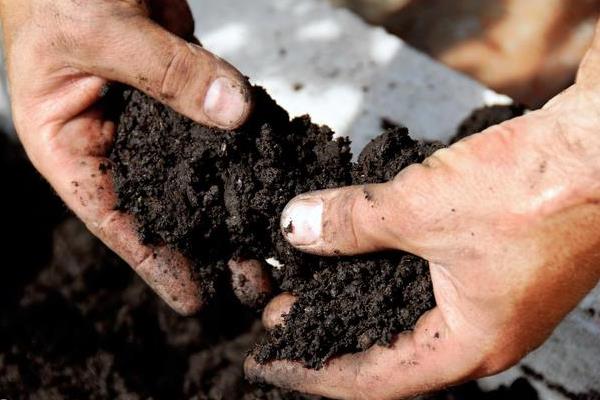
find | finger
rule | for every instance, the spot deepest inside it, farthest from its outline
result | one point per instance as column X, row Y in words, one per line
column 427, row 359
column 72, row 160
column 275, row 312
column 250, row 281
column 356, row 219
column 182, row 75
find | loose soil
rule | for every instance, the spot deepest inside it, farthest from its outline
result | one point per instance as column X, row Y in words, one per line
column 76, row 322
column 215, row 195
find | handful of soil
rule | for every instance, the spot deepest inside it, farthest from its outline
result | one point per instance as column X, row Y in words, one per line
column 215, row 194
column 76, row 323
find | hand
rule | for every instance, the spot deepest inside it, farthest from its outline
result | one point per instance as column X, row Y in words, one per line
column 510, row 222
column 60, row 55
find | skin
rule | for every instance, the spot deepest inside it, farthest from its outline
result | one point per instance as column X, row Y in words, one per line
column 60, row 55
column 509, row 220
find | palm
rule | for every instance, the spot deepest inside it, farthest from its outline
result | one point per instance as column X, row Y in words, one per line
column 63, row 128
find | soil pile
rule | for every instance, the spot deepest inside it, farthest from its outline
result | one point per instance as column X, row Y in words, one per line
column 215, row 194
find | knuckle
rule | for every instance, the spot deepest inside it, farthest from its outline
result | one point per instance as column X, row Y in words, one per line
column 351, row 220
column 339, row 220
column 412, row 190
column 438, row 158
column 179, row 68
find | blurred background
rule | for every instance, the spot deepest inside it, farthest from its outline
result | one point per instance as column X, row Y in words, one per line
column 528, row 50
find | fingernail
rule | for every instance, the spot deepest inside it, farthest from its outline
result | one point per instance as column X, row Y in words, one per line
column 301, row 221
column 225, row 102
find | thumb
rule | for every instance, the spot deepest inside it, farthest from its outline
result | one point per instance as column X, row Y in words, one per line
column 356, row 219
column 184, row 76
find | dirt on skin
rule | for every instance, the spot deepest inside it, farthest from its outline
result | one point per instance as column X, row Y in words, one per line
column 215, row 194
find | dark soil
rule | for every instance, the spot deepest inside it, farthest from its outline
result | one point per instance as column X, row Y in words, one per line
column 77, row 323
column 215, row 194
column 484, row 117
column 24, row 237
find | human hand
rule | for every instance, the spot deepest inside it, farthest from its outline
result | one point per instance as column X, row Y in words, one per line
column 60, row 55
column 510, row 222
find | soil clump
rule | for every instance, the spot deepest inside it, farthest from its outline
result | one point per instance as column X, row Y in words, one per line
column 215, row 194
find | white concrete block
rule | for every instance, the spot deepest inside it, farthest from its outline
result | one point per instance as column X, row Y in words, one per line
column 314, row 59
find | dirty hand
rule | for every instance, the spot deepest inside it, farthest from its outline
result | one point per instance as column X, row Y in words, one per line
column 60, row 55
column 509, row 220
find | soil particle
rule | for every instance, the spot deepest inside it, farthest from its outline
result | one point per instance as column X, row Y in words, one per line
column 104, row 168
column 289, row 229
column 368, row 195
column 387, row 123
column 388, row 154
